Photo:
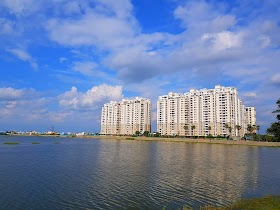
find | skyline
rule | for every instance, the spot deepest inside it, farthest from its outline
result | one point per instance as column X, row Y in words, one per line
column 62, row 60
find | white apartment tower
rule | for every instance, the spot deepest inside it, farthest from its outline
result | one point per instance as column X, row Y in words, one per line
column 203, row 112
column 251, row 115
column 126, row 117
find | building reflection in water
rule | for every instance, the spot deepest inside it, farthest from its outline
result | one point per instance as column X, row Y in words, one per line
column 153, row 175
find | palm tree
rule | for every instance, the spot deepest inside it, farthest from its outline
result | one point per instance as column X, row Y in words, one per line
column 192, row 127
column 250, row 128
column 137, row 133
column 257, row 127
column 229, row 128
column 146, row 133
column 209, row 129
column 186, row 127
column 238, row 127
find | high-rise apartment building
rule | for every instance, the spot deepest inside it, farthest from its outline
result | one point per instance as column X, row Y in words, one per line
column 126, row 117
column 204, row 112
column 251, row 115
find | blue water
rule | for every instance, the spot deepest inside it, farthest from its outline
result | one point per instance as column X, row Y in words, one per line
column 114, row 174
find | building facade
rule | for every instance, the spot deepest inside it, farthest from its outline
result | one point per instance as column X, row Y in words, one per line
column 126, row 117
column 251, row 115
column 217, row 111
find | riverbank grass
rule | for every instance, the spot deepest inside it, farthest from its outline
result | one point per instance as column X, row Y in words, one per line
column 264, row 203
column 11, row 143
column 35, row 142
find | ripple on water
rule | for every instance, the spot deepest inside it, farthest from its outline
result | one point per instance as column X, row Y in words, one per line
column 96, row 174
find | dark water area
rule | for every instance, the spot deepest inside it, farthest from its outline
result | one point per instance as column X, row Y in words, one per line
column 121, row 174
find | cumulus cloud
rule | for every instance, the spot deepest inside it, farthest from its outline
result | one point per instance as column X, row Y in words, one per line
column 202, row 16
column 24, row 56
column 91, row 29
column 91, row 99
column 216, row 43
column 11, row 94
column 223, row 40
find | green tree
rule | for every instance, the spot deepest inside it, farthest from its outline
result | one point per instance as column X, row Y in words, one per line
column 157, row 134
column 146, row 133
column 209, row 128
column 250, row 128
column 229, row 128
column 186, row 127
column 137, row 133
column 257, row 128
column 274, row 129
column 192, row 127
column 238, row 128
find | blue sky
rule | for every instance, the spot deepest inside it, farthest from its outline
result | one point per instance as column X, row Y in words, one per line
column 61, row 60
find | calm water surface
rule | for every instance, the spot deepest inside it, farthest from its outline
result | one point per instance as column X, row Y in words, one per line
column 111, row 174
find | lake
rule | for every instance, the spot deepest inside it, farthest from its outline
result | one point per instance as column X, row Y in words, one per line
column 122, row 174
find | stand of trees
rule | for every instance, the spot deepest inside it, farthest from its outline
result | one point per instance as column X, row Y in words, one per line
column 274, row 129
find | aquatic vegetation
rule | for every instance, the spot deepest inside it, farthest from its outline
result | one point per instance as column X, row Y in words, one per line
column 11, row 143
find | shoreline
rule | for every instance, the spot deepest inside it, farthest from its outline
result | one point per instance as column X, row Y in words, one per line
column 162, row 139
column 189, row 140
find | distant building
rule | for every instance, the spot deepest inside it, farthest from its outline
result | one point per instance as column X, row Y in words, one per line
column 251, row 115
column 126, row 117
column 204, row 112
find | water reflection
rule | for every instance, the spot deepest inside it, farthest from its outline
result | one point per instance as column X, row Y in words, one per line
column 154, row 175
column 95, row 174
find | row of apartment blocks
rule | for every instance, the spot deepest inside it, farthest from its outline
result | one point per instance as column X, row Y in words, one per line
column 196, row 113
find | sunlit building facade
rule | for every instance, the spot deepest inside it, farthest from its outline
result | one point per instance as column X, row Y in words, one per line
column 204, row 112
column 126, row 117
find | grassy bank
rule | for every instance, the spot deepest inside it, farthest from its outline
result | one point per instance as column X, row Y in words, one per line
column 264, row 203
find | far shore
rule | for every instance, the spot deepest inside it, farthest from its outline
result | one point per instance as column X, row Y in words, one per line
column 189, row 140
column 164, row 139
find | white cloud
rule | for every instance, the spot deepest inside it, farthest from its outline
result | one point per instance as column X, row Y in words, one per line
column 250, row 94
column 265, row 41
column 92, row 29
column 223, row 40
column 91, row 99
column 24, row 56
column 6, row 26
column 218, row 43
column 276, row 79
column 121, row 8
column 11, row 94
column 62, row 60
column 19, row 7
column 86, row 68
column 198, row 16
